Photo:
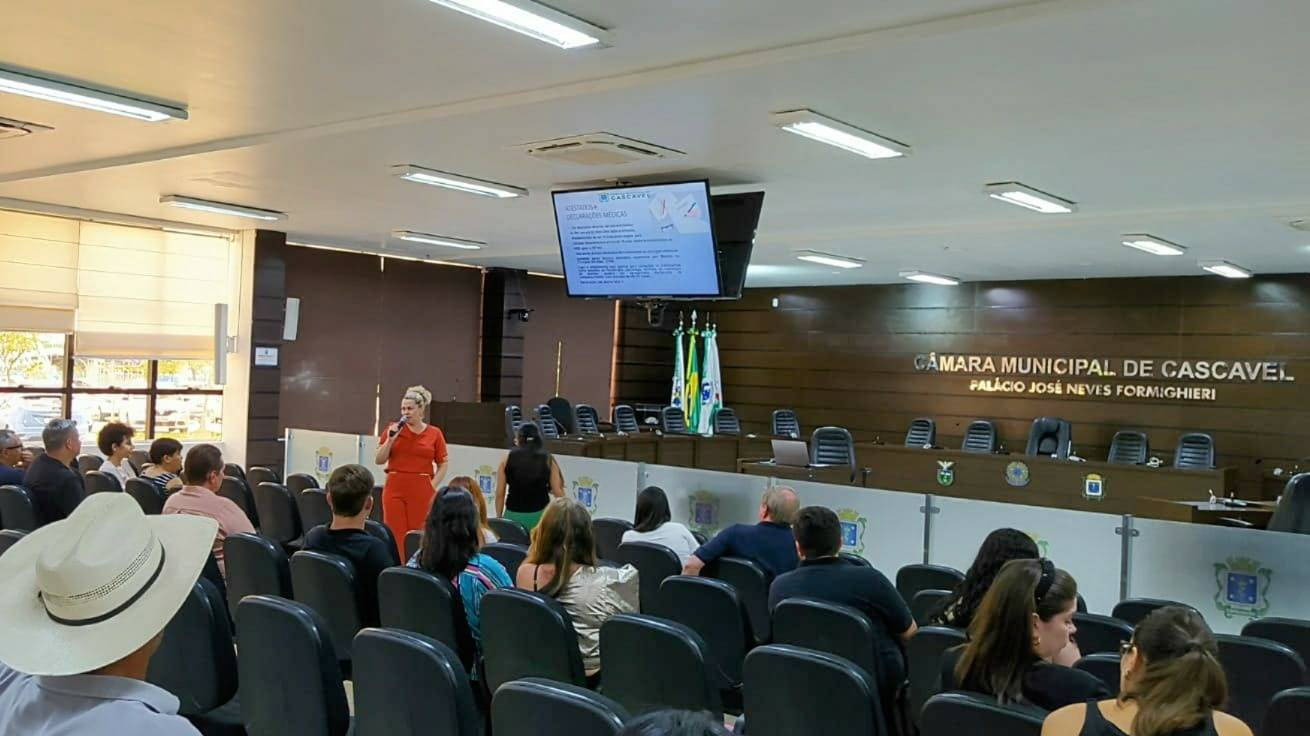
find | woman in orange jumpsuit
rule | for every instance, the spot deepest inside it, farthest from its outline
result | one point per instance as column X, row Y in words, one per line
column 415, row 456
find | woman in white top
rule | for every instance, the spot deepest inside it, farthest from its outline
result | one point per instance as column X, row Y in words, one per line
column 652, row 525
column 115, row 441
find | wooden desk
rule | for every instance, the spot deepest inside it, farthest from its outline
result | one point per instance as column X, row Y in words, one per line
column 834, row 474
column 682, row 451
column 1204, row 512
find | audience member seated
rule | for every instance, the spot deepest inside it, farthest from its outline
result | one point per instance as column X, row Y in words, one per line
column 199, row 497
column 115, row 443
column 83, row 616
column 350, row 494
column 652, row 524
column 527, row 479
column 674, row 723
column 826, row 576
column 56, row 488
column 562, row 563
column 165, row 464
column 769, row 543
column 451, row 539
column 1001, row 546
column 1019, row 648
column 1171, row 685
column 13, row 458
column 468, row 484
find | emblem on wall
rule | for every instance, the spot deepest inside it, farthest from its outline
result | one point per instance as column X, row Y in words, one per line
column 485, row 476
column 945, row 472
column 586, row 492
column 322, row 464
column 1093, row 486
column 1043, row 546
column 1243, row 587
column 704, row 514
column 852, row 530
column 1016, row 474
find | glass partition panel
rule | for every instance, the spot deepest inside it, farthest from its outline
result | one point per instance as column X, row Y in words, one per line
column 608, row 488
column 319, row 453
column 1230, row 575
column 1083, row 543
column 706, row 500
column 885, row 527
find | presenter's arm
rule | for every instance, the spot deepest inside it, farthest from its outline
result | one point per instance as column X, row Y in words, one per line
column 384, row 447
column 556, row 480
column 440, row 474
column 501, row 488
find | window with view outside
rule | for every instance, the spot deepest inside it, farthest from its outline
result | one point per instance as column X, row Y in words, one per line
column 31, row 359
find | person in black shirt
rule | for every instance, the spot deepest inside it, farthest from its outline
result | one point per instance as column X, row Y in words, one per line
column 1001, row 546
column 350, row 494
column 56, row 488
column 1020, row 641
column 825, row 576
column 527, row 479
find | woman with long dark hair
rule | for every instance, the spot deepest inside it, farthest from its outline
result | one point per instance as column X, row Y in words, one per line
column 527, row 479
column 652, row 523
column 1171, row 684
column 1024, row 623
column 1001, row 546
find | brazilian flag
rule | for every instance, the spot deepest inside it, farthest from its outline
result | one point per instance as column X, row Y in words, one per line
column 691, row 387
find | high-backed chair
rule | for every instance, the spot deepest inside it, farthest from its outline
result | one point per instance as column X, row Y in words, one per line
column 713, row 610
column 655, row 563
column 1050, row 436
column 16, row 509
column 235, row 490
column 922, row 433
column 852, row 558
column 9, row 537
column 980, row 437
column 673, row 420
column 510, row 556
column 783, row 423
column 923, row 660
column 833, row 628
column 383, row 532
column 545, row 419
column 407, row 684
column 540, row 707
column 232, row 470
column 925, row 602
column 625, row 419
column 196, row 662
column 911, row 579
column 1289, row 713
column 255, row 566
column 416, row 600
column 1292, row 633
column 509, row 531
column 1292, row 514
column 789, row 690
column 652, row 664
column 513, row 420
column 147, row 497
column 587, row 420
column 87, row 463
column 139, row 459
column 751, row 583
column 312, row 505
column 562, row 410
column 1257, row 670
column 726, row 422
column 326, row 583
column 278, row 513
column 952, row 714
column 297, row 482
column 1195, row 451
column 832, row 446
column 98, row 482
column 413, row 542
column 1132, row 610
column 259, row 474
column 1100, row 634
column 288, row 670
column 1129, row 447
column 609, row 534
column 1104, row 666
column 528, row 634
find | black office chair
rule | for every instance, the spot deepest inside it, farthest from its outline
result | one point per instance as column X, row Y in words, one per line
column 1292, row 514
column 587, row 420
column 87, row 463
column 1289, row 714
column 196, row 662
column 510, row 556
column 609, row 534
column 539, row 707
column 1104, row 666
column 925, row 602
column 751, row 583
column 1099, row 634
column 235, row 490
column 383, row 532
column 146, row 496
column 258, row 474
column 655, row 563
column 278, row 512
column 1195, row 451
column 673, row 420
column 980, row 437
column 9, row 537
column 139, row 460
column 513, row 420
column 922, row 433
column 232, row 470
column 832, row 446
column 1129, row 447
column 783, row 423
column 413, row 541
column 255, row 565
column 1132, row 610
column 326, row 583
column 1292, row 633
column 416, row 600
column 952, row 714
column 312, row 505
column 625, row 419
column 653, row 664
column 562, row 411
column 98, row 482
column 726, row 422
column 923, row 660
column 545, row 421
column 1257, row 670
column 407, row 684
column 838, row 630
column 297, row 482
column 528, row 635
column 1050, row 436
column 713, row 610
column 789, row 691
column 16, row 509
column 913, row 578
column 288, row 670
column 852, row 558
column 509, row 531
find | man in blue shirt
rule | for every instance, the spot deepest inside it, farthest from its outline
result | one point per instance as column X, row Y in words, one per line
column 12, row 455
column 769, row 543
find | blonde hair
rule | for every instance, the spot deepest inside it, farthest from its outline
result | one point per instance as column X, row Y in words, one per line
column 419, row 395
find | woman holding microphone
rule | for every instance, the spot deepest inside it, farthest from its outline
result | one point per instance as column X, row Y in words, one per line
column 414, row 454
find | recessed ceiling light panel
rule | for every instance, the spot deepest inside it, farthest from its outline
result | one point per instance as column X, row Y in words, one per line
column 442, row 240
column 1012, row 192
column 817, row 127
column 221, row 208
column 457, row 182
column 1226, row 269
column 89, row 98
column 1153, row 245
column 534, row 20
column 829, row 259
column 924, row 277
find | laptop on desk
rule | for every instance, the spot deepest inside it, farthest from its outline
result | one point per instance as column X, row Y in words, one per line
column 791, row 453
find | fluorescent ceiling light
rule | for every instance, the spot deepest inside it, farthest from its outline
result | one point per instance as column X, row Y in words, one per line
column 545, row 275
column 924, row 277
column 1153, row 245
column 533, row 19
column 816, row 127
column 468, row 184
column 88, row 98
column 828, row 259
column 1226, row 269
column 220, row 208
column 1025, row 196
column 441, row 240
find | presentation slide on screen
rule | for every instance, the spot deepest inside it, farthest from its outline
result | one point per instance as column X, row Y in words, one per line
column 638, row 241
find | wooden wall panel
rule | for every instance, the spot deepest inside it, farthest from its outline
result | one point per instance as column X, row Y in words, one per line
column 586, row 329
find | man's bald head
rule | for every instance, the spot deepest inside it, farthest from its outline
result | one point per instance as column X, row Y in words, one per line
column 780, row 505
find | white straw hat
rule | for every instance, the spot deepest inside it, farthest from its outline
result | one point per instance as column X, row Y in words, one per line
column 91, row 589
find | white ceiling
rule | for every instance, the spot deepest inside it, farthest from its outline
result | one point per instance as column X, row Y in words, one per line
column 1181, row 118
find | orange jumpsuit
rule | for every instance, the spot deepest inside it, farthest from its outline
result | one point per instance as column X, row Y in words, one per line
column 408, row 492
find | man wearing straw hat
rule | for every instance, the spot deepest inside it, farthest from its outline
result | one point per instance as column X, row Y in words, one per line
column 83, row 605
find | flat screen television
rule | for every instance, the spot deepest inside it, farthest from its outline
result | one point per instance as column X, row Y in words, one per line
column 652, row 241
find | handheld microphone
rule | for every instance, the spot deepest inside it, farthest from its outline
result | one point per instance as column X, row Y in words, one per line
column 399, row 423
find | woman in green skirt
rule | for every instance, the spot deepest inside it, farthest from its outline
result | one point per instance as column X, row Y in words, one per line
column 527, row 479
